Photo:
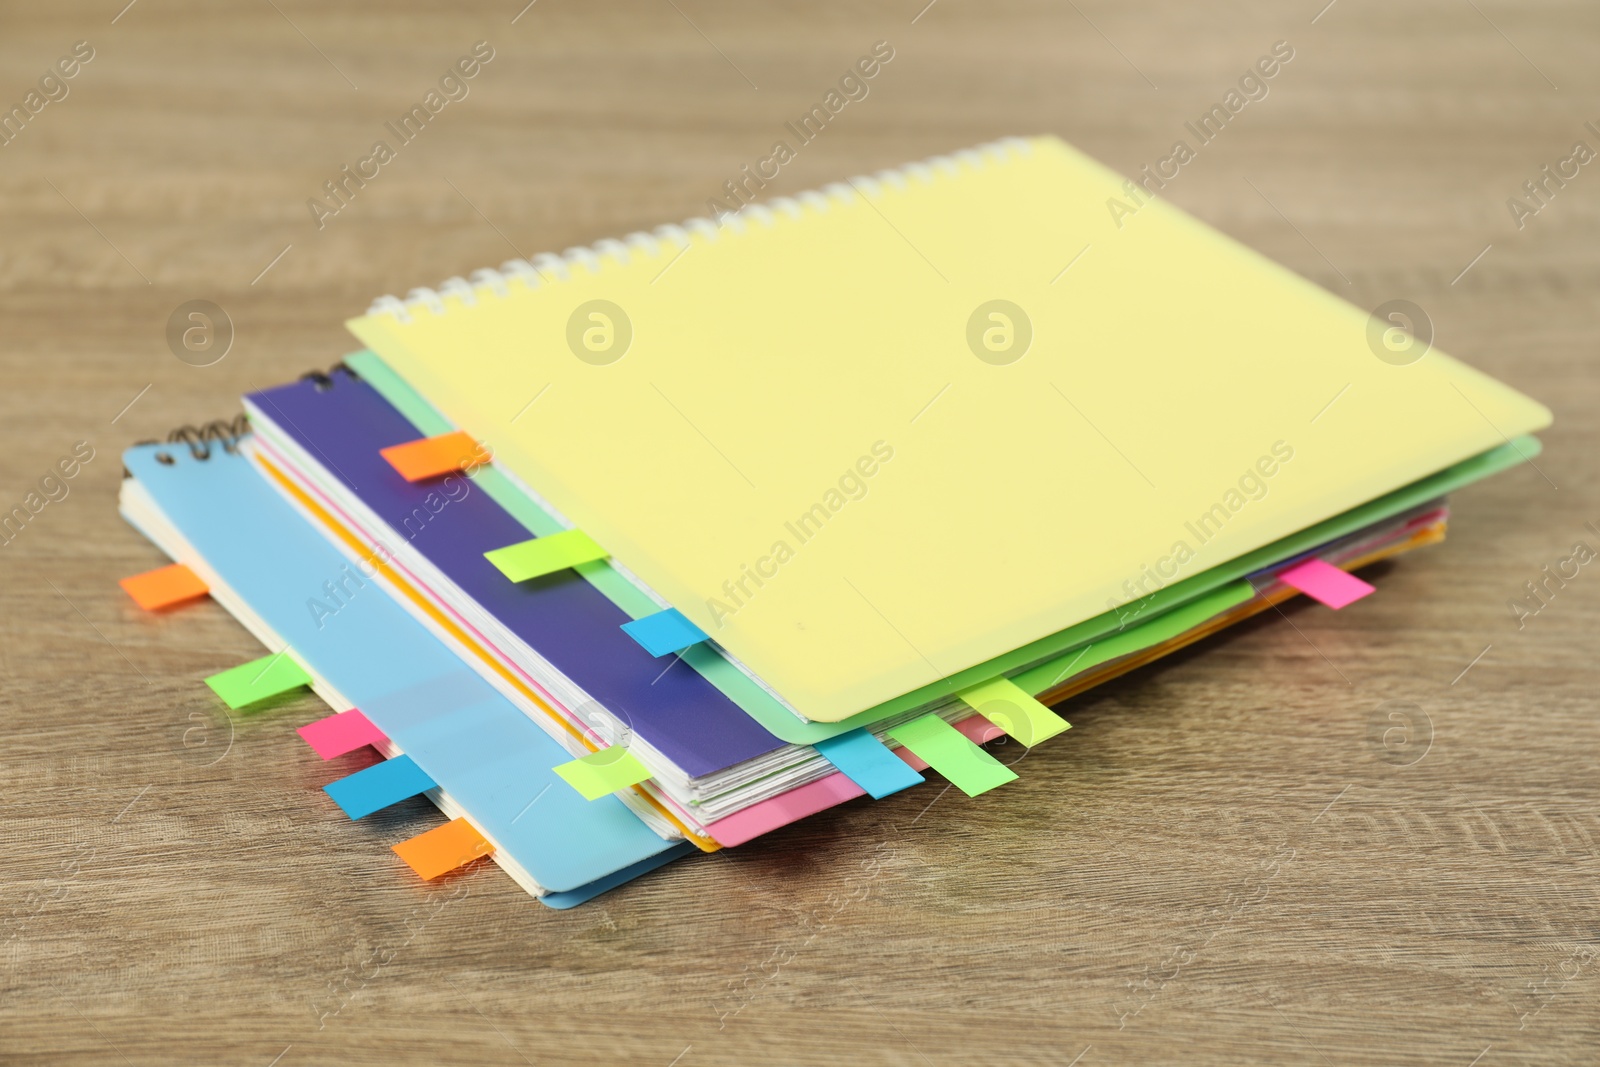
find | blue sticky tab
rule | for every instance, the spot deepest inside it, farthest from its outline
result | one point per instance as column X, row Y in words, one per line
column 378, row 786
column 664, row 633
column 867, row 762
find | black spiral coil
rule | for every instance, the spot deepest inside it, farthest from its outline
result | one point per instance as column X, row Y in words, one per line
column 324, row 379
column 200, row 439
column 227, row 432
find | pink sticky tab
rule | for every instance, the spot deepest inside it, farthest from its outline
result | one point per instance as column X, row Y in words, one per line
column 1325, row 583
column 341, row 733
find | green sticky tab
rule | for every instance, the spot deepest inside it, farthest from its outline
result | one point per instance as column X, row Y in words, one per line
column 259, row 679
column 1009, row 707
column 947, row 750
column 599, row 774
column 545, row 555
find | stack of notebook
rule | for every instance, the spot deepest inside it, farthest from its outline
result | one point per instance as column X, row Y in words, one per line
column 656, row 546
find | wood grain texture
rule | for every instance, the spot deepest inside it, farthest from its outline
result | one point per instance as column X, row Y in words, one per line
column 1221, row 864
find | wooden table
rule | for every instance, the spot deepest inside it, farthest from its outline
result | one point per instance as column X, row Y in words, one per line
column 1225, row 862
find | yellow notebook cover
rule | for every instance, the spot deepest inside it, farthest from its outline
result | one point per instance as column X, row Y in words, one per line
column 874, row 435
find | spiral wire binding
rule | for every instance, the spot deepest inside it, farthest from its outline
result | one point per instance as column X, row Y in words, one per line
column 546, row 266
column 227, row 432
column 324, row 379
column 224, row 432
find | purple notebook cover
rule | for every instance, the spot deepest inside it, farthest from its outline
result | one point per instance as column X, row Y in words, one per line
column 565, row 619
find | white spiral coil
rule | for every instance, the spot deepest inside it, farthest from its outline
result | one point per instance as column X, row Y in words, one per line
column 671, row 239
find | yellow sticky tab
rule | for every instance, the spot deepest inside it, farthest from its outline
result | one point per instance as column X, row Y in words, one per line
column 1022, row 717
column 545, row 555
column 602, row 773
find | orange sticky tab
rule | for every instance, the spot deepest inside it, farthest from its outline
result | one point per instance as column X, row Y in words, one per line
column 443, row 849
column 164, row 587
column 433, row 456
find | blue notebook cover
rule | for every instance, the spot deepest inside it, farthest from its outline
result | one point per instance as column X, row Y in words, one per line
column 344, row 422
column 477, row 746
